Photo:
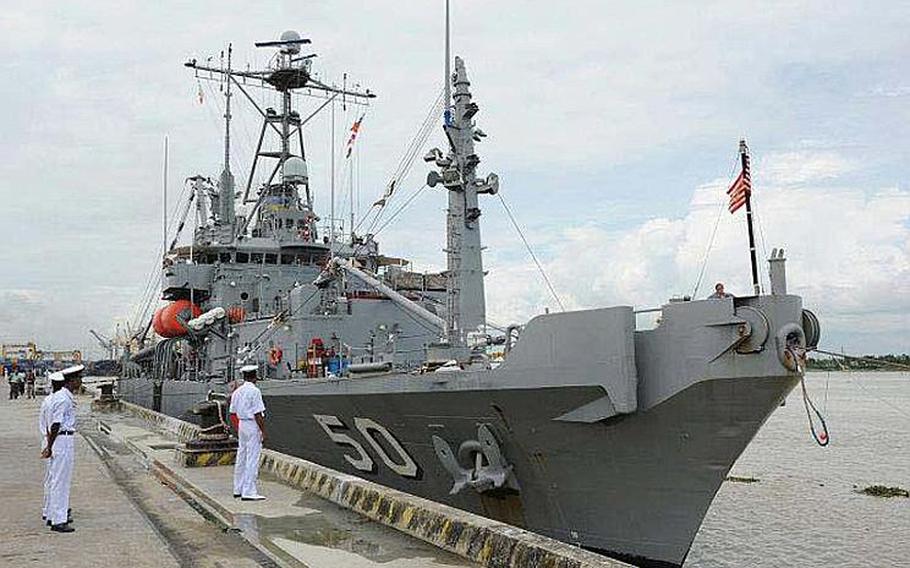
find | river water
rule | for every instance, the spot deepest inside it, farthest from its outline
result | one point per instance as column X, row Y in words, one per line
column 804, row 509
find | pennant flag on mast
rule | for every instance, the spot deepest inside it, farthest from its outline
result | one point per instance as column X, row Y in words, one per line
column 355, row 128
column 389, row 190
column 739, row 191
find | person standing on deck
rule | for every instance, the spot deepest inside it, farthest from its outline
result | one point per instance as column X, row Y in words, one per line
column 44, row 430
column 246, row 403
column 719, row 292
column 61, row 447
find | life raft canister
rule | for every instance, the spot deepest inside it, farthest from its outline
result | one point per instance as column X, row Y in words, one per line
column 166, row 323
column 275, row 355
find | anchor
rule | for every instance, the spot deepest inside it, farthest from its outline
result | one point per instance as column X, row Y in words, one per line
column 490, row 469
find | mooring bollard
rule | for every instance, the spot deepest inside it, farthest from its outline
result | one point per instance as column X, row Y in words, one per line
column 107, row 401
column 213, row 445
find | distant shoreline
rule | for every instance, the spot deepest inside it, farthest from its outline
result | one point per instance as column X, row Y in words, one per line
column 877, row 363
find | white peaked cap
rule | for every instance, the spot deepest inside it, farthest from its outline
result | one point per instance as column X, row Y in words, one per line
column 73, row 369
column 249, row 368
column 57, row 377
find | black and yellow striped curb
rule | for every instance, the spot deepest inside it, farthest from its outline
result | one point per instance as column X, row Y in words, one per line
column 487, row 542
column 205, row 458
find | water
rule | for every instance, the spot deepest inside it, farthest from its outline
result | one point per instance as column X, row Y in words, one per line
column 804, row 510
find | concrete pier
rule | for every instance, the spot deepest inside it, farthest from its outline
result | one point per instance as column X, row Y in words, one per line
column 132, row 493
column 122, row 515
column 473, row 539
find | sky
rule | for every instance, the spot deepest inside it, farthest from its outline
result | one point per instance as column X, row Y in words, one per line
column 613, row 128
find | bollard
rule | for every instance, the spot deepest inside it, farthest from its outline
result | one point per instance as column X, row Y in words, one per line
column 213, row 444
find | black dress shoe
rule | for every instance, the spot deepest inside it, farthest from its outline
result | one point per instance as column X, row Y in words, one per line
column 62, row 528
column 236, row 495
column 49, row 523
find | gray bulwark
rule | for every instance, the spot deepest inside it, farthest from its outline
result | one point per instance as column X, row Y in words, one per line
column 582, row 347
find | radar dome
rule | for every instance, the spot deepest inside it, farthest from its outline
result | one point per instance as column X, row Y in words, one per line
column 294, row 170
column 294, row 48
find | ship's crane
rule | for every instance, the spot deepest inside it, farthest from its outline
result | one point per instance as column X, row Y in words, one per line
column 114, row 346
column 105, row 343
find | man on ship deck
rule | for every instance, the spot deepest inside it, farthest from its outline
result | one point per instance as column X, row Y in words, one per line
column 719, row 293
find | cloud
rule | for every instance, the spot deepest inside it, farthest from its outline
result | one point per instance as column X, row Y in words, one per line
column 619, row 110
column 848, row 253
column 801, row 167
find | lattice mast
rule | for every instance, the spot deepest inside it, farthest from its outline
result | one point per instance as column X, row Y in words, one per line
column 290, row 72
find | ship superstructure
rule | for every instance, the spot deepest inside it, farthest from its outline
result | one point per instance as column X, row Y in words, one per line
column 590, row 430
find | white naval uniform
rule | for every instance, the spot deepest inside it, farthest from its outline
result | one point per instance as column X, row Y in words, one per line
column 246, row 402
column 44, row 424
column 63, row 411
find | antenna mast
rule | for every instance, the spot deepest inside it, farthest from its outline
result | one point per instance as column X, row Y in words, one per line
column 447, row 101
column 164, row 204
column 226, row 191
column 227, row 114
column 465, row 299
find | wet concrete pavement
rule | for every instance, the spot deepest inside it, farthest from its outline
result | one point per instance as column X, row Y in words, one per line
column 109, row 527
column 294, row 528
column 123, row 515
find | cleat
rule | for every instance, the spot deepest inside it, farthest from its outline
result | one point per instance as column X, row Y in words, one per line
column 253, row 498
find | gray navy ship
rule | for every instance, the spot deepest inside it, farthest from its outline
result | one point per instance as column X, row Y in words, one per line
column 576, row 424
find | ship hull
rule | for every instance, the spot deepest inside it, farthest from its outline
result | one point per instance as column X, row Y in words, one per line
column 633, row 486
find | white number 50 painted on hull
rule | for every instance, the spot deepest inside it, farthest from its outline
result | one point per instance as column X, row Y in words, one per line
column 404, row 466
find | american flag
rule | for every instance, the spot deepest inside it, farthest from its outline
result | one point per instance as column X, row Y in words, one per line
column 354, row 129
column 739, row 191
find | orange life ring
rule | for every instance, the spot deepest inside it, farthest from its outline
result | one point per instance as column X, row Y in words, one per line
column 275, row 355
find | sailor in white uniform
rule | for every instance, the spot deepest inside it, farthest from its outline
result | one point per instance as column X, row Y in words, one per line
column 44, row 427
column 61, row 447
column 246, row 403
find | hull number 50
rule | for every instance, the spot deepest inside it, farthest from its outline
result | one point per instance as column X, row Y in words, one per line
column 371, row 431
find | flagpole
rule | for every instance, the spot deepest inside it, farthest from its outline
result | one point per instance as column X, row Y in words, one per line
column 744, row 156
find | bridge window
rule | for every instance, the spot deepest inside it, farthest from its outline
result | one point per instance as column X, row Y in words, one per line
column 271, row 258
column 243, row 258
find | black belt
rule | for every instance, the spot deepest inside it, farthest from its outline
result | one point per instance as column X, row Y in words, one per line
column 66, row 433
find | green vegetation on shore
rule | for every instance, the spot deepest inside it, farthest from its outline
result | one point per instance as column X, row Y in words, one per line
column 865, row 363
column 739, row 479
column 884, row 491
